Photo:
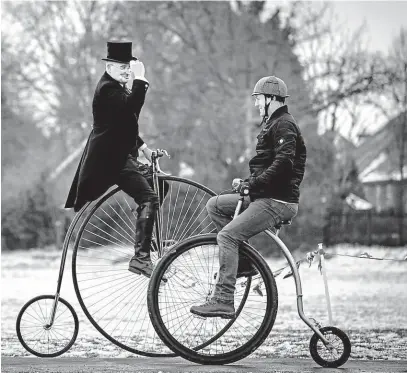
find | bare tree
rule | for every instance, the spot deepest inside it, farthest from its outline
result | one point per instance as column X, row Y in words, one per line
column 58, row 45
column 337, row 66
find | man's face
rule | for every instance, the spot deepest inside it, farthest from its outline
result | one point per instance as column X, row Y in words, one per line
column 119, row 71
column 260, row 103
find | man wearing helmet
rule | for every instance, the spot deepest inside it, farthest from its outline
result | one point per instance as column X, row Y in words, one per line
column 276, row 172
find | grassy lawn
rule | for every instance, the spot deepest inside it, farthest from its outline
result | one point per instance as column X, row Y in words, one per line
column 369, row 302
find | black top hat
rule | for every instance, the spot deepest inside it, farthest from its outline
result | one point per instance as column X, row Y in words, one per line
column 119, row 52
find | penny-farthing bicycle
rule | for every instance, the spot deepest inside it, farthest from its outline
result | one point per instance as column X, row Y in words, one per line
column 220, row 341
column 114, row 299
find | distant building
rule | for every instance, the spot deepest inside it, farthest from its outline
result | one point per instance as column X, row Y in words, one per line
column 378, row 163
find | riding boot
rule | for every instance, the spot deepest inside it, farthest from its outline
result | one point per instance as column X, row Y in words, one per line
column 141, row 263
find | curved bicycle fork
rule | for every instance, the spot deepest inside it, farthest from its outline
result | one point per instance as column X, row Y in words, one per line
column 298, row 287
column 68, row 236
column 65, row 246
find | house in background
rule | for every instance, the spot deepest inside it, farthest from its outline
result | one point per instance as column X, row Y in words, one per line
column 378, row 163
column 372, row 209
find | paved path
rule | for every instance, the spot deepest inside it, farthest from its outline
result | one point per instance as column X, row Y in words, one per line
column 175, row 365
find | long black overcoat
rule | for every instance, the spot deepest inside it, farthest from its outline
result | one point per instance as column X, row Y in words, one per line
column 114, row 135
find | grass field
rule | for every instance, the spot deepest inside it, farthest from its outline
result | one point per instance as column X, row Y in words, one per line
column 369, row 302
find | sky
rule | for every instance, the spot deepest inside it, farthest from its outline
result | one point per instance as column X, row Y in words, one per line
column 383, row 19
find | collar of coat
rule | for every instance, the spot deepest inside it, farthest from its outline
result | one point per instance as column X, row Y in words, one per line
column 280, row 111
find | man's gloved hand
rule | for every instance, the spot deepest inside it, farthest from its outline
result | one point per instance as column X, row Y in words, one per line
column 235, row 183
column 137, row 67
column 241, row 186
column 138, row 70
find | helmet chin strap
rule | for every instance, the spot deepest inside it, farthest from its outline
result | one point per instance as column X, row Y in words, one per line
column 266, row 110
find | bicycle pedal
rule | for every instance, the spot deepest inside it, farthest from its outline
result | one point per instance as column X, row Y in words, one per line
column 257, row 290
column 243, row 284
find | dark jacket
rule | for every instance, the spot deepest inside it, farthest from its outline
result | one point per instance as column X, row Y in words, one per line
column 115, row 133
column 278, row 168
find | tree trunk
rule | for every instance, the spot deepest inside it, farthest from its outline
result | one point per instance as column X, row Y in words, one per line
column 403, row 126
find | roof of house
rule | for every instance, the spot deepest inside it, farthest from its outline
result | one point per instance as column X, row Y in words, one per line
column 376, row 159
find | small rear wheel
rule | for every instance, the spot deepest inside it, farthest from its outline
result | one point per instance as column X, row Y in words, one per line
column 41, row 338
column 332, row 356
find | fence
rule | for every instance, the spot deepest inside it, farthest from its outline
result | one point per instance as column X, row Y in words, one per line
column 366, row 228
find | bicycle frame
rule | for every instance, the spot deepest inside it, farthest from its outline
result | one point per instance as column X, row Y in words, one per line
column 65, row 245
column 156, row 170
column 294, row 269
column 297, row 281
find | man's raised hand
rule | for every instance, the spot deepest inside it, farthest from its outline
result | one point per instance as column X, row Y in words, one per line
column 137, row 68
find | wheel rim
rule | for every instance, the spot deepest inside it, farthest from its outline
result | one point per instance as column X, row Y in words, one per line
column 38, row 336
column 338, row 351
column 189, row 332
column 331, row 355
column 114, row 299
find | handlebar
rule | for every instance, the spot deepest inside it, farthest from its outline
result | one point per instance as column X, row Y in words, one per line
column 243, row 192
column 156, row 154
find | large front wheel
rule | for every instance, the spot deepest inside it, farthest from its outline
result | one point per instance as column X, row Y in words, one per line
column 188, row 271
column 113, row 298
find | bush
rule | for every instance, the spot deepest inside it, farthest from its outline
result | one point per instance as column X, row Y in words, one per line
column 28, row 219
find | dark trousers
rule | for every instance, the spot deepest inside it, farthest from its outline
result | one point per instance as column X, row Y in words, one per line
column 136, row 180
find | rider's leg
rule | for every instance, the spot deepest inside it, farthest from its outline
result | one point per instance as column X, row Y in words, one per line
column 260, row 215
column 221, row 210
column 137, row 186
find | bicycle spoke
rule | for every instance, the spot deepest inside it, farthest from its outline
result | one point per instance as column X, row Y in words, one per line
column 193, row 331
column 115, row 299
column 40, row 337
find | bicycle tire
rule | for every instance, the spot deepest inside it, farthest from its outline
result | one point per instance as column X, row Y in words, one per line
column 183, row 213
column 191, row 335
column 40, row 317
column 316, row 353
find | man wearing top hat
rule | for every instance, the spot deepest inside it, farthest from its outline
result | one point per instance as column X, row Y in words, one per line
column 110, row 155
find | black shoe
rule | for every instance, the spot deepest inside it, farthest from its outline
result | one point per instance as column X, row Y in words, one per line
column 141, row 267
column 215, row 308
column 245, row 268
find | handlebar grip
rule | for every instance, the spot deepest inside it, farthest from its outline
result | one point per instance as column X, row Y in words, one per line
column 158, row 153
